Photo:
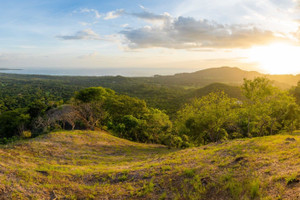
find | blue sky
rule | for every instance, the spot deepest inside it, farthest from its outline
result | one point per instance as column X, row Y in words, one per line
column 142, row 34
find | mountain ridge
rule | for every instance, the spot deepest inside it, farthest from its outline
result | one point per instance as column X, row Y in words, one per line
column 227, row 75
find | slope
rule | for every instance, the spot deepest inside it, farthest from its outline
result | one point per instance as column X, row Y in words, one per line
column 231, row 91
column 227, row 75
column 173, row 104
column 97, row 165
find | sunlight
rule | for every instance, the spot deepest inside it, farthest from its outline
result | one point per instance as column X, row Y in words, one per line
column 278, row 58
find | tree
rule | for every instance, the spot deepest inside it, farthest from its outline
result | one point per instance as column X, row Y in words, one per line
column 121, row 105
column 296, row 92
column 13, row 123
column 157, row 125
column 89, row 104
column 205, row 120
column 36, row 108
column 93, row 94
column 256, row 92
column 292, row 117
column 265, row 107
column 130, row 128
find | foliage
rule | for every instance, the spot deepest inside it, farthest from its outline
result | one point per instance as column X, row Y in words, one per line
column 296, row 92
column 93, row 94
column 144, row 109
column 265, row 110
column 13, row 123
column 127, row 117
column 207, row 119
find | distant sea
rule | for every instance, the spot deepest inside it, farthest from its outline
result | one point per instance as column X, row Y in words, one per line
column 129, row 72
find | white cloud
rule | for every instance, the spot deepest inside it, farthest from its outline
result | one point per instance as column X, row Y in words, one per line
column 142, row 7
column 276, row 15
column 114, row 14
column 87, row 34
column 87, row 10
column 145, row 15
column 124, row 25
column 187, row 32
column 151, row 16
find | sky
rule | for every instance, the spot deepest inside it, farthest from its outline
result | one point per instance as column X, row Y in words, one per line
column 260, row 35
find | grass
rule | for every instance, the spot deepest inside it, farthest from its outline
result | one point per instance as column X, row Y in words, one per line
column 97, row 165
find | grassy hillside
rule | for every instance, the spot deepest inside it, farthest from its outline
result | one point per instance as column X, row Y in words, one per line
column 96, row 165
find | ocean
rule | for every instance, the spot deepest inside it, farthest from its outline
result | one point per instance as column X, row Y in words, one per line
column 129, row 72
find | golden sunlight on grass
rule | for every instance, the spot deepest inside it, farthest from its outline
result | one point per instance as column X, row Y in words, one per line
column 97, row 165
column 277, row 58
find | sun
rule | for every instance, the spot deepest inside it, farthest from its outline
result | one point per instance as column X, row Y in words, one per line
column 278, row 58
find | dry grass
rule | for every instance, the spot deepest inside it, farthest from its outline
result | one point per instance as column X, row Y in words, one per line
column 97, row 165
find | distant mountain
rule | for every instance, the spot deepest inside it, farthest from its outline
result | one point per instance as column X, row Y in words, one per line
column 228, row 75
column 198, row 79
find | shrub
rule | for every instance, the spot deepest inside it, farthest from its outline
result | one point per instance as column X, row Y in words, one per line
column 26, row 134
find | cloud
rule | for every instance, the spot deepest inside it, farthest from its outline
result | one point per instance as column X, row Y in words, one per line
column 145, row 15
column 87, row 10
column 187, row 32
column 114, row 14
column 87, row 34
column 124, row 25
column 151, row 16
column 142, row 7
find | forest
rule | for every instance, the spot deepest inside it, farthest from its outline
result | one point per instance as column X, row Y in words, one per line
column 146, row 111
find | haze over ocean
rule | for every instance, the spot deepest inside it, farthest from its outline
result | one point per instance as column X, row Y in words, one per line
column 130, row 72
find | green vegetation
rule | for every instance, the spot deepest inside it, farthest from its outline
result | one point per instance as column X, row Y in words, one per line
column 39, row 159
column 97, row 165
column 266, row 110
column 261, row 109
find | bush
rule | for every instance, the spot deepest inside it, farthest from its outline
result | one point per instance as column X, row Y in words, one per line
column 26, row 134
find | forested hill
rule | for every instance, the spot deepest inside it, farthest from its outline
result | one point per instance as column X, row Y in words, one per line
column 228, row 75
column 164, row 92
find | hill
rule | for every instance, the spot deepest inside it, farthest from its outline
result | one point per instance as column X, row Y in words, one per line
column 230, row 90
column 97, row 165
column 227, row 75
column 201, row 78
column 175, row 102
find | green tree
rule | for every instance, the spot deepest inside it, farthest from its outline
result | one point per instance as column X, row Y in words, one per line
column 157, row 125
column 121, row 105
column 292, row 117
column 13, row 123
column 296, row 93
column 265, row 107
column 93, row 94
column 205, row 120
column 256, row 92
